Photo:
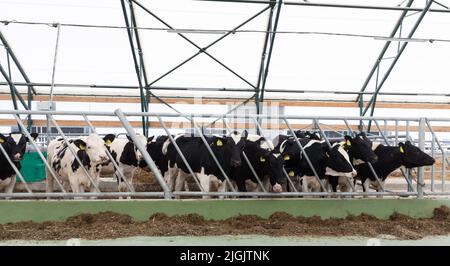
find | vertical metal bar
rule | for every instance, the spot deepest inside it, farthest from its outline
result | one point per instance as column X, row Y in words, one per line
column 260, row 130
column 54, row 63
column 305, row 154
column 177, row 148
column 432, row 167
column 136, row 65
column 396, row 132
column 15, row 169
column 113, row 161
column 247, row 160
column 143, row 150
column 420, row 178
column 269, row 56
column 35, row 146
column 72, row 150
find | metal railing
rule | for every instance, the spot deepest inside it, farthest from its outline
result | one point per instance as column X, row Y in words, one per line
column 418, row 130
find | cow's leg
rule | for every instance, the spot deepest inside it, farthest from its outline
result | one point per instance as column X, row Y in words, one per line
column 75, row 185
column 305, row 185
column 221, row 185
column 172, row 173
column 266, row 183
column 9, row 188
column 180, row 180
column 49, row 181
column 205, row 182
column 365, row 185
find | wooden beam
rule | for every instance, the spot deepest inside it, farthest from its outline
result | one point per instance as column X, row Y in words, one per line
column 221, row 101
column 180, row 125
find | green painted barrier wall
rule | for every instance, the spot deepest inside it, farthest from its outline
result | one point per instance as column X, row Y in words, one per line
column 33, row 169
column 53, row 210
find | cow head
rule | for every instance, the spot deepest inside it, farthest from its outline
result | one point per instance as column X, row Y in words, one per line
column 337, row 161
column 15, row 145
column 413, row 157
column 95, row 147
column 234, row 143
column 274, row 162
column 361, row 148
column 143, row 140
column 307, row 134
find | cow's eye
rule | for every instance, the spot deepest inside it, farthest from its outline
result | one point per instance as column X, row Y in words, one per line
column 89, row 147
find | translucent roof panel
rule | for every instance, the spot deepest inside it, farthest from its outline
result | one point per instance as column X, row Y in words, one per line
column 316, row 48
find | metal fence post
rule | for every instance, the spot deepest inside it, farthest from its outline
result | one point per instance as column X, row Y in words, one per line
column 420, row 178
column 143, row 150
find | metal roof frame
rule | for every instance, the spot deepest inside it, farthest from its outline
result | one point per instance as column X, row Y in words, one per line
column 274, row 8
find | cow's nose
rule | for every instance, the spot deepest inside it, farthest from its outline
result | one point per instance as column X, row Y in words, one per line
column 103, row 157
column 235, row 163
column 17, row 157
column 277, row 188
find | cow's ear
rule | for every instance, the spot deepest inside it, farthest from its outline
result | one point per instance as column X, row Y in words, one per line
column 80, row 144
column 2, row 138
column 348, row 140
column 150, row 139
column 34, row 136
column 109, row 139
column 244, row 134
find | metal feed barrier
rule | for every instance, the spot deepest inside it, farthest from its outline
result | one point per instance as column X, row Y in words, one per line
column 417, row 130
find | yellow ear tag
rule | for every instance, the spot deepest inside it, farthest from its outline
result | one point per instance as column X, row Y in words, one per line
column 327, row 155
column 348, row 143
column 219, row 143
column 291, row 173
column 108, row 142
column 402, row 150
column 1, row 141
column 286, row 157
column 262, row 159
column 82, row 147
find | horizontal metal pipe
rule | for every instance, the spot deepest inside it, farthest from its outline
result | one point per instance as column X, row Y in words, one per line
column 199, row 194
column 209, row 115
column 369, row 7
column 162, row 88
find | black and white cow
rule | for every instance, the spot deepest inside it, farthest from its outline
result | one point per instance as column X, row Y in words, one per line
column 227, row 150
column 155, row 150
column 127, row 157
column 302, row 134
column 326, row 161
column 389, row 159
column 92, row 152
column 267, row 163
column 360, row 151
column 15, row 146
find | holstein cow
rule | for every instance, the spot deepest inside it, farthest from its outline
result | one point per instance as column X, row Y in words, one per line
column 360, row 151
column 155, row 150
column 389, row 159
column 326, row 161
column 15, row 146
column 90, row 150
column 227, row 150
column 127, row 157
column 302, row 134
column 267, row 163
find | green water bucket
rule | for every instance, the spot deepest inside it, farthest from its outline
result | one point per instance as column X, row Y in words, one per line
column 33, row 169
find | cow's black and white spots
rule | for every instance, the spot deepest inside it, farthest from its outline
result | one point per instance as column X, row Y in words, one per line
column 389, row 159
column 267, row 163
column 15, row 146
column 90, row 150
column 326, row 161
column 360, row 151
column 127, row 157
column 227, row 150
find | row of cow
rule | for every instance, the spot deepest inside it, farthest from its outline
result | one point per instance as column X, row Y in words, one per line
column 280, row 164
